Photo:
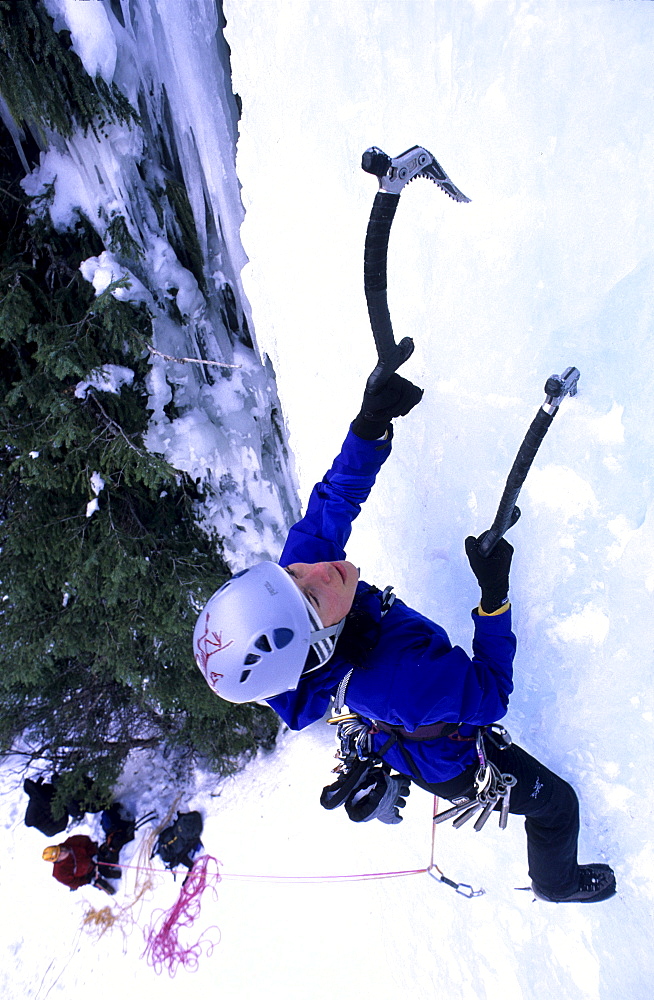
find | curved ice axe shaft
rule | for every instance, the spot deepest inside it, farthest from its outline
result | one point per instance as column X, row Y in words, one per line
column 393, row 175
column 507, row 513
column 390, row 354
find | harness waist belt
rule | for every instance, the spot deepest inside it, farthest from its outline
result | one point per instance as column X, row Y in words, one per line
column 433, row 732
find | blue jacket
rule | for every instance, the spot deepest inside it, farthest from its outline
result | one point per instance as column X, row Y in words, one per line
column 413, row 676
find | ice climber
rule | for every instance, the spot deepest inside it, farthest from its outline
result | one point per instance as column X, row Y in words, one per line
column 298, row 633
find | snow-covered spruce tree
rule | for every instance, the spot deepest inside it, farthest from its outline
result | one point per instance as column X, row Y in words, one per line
column 43, row 81
column 96, row 612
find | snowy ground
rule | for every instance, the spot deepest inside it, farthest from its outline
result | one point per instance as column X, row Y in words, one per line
column 541, row 113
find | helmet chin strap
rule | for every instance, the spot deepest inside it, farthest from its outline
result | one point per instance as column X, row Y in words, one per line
column 327, row 633
column 323, row 639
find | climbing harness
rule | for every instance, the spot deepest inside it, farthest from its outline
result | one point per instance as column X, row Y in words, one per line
column 365, row 785
column 492, row 787
column 356, row 763
column 362, row 772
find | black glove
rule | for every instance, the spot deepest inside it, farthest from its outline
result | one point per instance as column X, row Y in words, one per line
column 395, row 399
column 380, row 798
column 492, row 571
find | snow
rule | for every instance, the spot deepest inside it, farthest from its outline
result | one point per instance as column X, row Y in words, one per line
column 104, row 270
column 540, row 112
column 109, row 378
column 90, row 33
column 97, row 484
column 118, row 180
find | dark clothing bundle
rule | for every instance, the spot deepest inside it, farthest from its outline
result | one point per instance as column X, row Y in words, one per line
column 39, row 809
column 180, row 842
column 119, row 830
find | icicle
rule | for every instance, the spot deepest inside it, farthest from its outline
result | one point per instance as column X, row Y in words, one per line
column 163, row 195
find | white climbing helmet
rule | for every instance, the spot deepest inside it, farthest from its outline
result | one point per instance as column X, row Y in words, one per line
column 254, row 635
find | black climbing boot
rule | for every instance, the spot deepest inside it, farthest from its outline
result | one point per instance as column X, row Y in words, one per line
column 596, row 882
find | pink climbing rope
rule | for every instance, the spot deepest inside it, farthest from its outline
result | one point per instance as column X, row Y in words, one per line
column 294, row 879
column 163, row 946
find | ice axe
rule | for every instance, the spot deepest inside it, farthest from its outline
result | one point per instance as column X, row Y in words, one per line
column 393, row 175
column 556, row 388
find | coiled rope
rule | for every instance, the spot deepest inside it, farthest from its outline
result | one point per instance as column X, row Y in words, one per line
column 165, row 950
column 163, row 946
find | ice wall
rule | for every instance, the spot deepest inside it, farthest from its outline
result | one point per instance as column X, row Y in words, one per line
column 165, row 199
column 541, row 114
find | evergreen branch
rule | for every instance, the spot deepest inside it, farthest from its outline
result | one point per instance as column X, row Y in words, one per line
column 12, row 196
column 112, row 423
column 95, row 657
column 193, row 361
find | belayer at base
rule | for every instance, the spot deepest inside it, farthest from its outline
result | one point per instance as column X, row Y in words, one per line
column 79, row 861
column 290, row 633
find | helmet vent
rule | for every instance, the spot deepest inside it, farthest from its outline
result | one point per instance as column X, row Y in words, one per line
column 263, row 644
column 244, row 676
column 282, row 637
column 231, row 580
column 250, row 659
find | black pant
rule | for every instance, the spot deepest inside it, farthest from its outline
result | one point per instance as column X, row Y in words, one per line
column 549, row 805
